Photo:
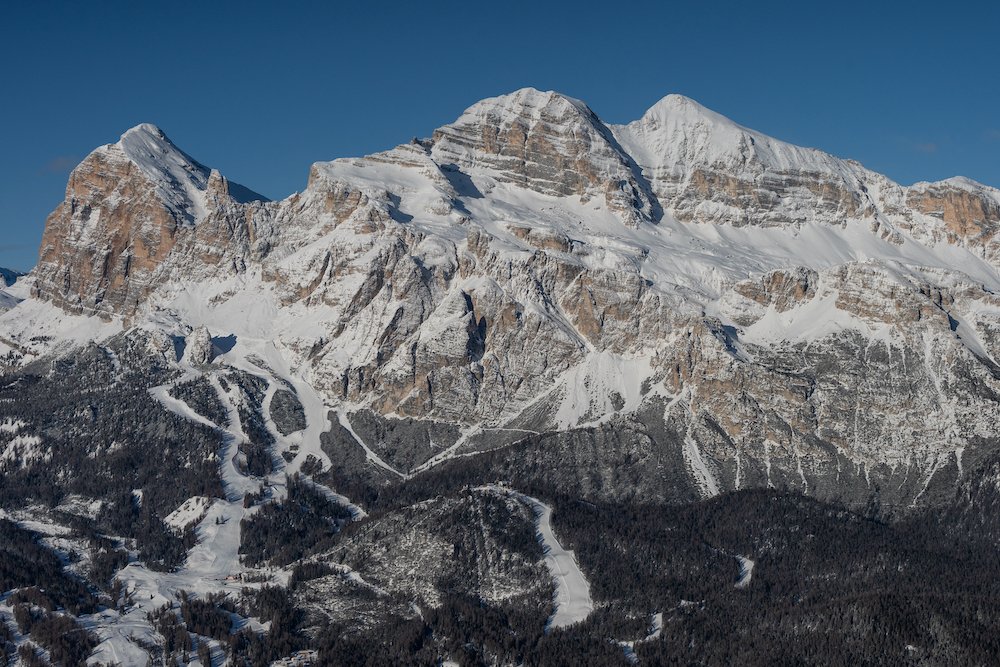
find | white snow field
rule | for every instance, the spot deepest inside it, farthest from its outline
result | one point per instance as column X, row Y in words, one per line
column 746, row 571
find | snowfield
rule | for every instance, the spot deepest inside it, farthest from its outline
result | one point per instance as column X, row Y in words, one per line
column 746, row 571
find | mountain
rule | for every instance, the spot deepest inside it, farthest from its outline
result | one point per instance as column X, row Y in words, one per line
column 530, row 314
column 130, row 207
column 8, row 276
column 530, row 267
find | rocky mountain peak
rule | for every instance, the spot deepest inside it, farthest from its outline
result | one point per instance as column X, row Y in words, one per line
column 678, row 133
column 704, row 167
column 969, row 210
column 549, row 143
column 129, row 207
column 179, row 180
column 527, row 101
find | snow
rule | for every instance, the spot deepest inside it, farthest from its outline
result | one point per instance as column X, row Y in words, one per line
column 10, row 425
column 703, row 476
column 573, row 603
column 746, row 571
column 7, row 300
column 628, row 649
column 592, row 388
column 697, row 465
column 38, row 524
column 213, row 564
column 452, row 452
column 513, row 105
column 23, row 449
column 655, row 626
column 38, row 327
column 81, row 506
column 677, row 132
column 179, row 180
column 190, row 511
column 815, row 319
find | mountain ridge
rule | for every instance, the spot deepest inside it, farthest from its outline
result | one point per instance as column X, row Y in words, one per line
column 521, row 269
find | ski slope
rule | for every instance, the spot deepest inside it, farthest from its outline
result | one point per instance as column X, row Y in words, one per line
column 573, row 602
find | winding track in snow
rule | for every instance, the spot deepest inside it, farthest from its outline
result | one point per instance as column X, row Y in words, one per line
column 572, row 597
column 215, row 557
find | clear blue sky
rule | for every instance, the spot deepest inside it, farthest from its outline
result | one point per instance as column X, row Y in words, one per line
column 261, row 91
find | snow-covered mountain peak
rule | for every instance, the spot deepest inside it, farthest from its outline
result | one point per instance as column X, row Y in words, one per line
column 679, row 134
column 525, row 102
column 960, row 183
column 181, row 183
column 180, row 180
column 549, row 143
column 677, row 106
column 149, row 148
column 145, row 132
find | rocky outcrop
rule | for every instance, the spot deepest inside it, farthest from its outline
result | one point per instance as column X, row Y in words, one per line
column 969, row 211
column 198, row 349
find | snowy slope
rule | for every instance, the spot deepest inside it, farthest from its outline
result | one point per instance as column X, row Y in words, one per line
column 677, row 133
column 181, row 182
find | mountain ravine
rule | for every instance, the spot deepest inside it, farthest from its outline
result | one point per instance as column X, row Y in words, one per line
column 534, row 390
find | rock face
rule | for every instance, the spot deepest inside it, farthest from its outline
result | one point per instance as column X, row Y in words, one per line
column 969, row 210
column 550, row 144
column 198, row 347
column 134, row 211
column 755, row 313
